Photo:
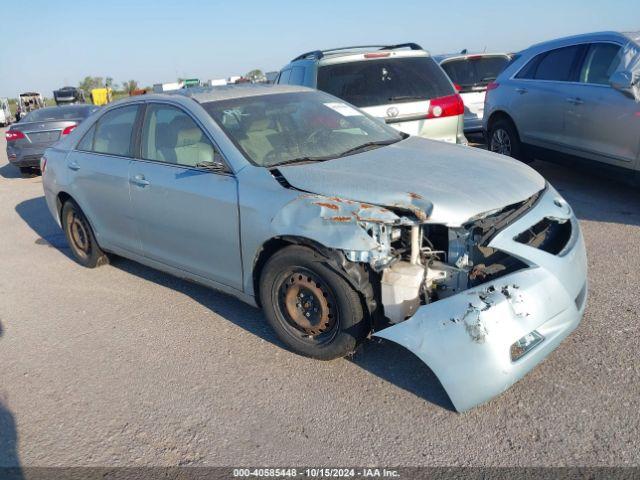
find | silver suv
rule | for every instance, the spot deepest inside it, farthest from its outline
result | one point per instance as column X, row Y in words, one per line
column 576, row 97
column 400, row 84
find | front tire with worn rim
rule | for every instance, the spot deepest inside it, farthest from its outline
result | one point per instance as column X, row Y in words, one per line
column 82, row 241
column 311, row 307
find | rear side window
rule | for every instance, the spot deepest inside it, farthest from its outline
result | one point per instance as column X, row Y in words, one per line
column 554, row 65
column 383, row 81
column 599, row 63
column 114, row 132
column 474, row 71
column 284, row 76
column 86, row 144
column 297, row 76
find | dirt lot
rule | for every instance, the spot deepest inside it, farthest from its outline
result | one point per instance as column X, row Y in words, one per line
column 123, row 365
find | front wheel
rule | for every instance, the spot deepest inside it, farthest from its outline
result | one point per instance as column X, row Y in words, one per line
column 80, row 237
column 311, row 307
column 504, row 139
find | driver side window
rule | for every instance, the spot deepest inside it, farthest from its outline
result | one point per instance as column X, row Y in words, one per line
column 169, row 135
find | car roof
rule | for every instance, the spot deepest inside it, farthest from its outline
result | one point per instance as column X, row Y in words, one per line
column 589, row 37
column 459, row 56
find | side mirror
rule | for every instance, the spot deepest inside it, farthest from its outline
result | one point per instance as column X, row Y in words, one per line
column 623, row 82
column 213, row 166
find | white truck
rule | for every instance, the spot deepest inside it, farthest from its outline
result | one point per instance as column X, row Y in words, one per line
column 167, row 87
column 5, row 113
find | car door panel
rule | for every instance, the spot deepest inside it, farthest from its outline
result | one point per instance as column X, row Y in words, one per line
column 188, row 219
column 99, row 175
column 186, row 213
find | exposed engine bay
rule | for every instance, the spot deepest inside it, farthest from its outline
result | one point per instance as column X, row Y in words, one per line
column 420, row 263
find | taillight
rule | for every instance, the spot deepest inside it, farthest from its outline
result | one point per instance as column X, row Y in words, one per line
column 449, row 106
column 457, row 87
column 68, row 130
column 492, row 86
column 13, row 135
column 43, row 164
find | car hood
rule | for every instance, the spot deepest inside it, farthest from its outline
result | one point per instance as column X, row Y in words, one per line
column 439, row 182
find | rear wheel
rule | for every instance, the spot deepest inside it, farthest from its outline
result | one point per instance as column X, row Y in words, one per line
column 504, row 139
column 80, row 237
column 312, row 308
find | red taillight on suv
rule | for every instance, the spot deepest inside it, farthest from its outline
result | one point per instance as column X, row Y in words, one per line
column 68, row 130
column 13, row 135
column 448, row 106
column 492, row 86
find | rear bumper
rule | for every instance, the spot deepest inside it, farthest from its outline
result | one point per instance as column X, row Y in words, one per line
column 466, row 338
column 447, row 129
column 473, row 124
column 25, row 158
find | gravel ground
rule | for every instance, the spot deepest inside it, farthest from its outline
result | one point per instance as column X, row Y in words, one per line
column 123, row 365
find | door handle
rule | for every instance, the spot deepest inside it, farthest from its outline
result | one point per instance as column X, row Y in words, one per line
column 575, row 100
column 139, row 180
column 521, row 90
column 73, row 165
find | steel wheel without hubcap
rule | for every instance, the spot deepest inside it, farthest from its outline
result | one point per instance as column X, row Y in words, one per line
column 77, row 232
column 501, row 142
column 307, row 305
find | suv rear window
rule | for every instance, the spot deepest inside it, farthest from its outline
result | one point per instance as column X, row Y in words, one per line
column 473, row 72
column 383, row 81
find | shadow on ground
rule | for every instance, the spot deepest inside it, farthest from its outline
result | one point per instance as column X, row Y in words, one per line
column 9, row 460
column 10, row 172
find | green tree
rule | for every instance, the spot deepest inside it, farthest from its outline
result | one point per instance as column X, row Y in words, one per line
column 129, row 86
column 89, row 83
column 255, row 75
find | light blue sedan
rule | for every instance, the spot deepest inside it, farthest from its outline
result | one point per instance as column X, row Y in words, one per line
column 337, row 225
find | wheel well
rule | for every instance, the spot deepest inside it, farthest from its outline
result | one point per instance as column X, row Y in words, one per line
column 499, row 115
column 269, row 248
column 362, row 279
column 60, row 200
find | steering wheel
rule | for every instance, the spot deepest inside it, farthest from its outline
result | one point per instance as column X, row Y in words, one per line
column 317, row 137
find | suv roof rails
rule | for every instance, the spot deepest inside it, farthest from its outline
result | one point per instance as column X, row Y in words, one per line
column 318, row 54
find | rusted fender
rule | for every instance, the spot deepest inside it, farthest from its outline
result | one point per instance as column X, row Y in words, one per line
column 332, row 221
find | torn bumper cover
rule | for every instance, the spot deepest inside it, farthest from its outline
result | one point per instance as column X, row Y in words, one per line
column 466, row 339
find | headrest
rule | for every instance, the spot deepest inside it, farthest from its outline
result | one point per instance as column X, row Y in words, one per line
column 187, row 133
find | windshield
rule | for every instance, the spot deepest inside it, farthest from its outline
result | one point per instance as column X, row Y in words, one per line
column 475, row 71
column 390, row 80
column 290, row 127
column 60, row 113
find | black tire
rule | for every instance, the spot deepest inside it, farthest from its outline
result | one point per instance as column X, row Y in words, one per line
column 503, row 138
column 82, row 241
column 336, row 321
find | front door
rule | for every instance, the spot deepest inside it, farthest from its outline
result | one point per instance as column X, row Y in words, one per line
column 186, row 213
column 603, row 122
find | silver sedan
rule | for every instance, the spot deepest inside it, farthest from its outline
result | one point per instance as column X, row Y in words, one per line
column 337, row 225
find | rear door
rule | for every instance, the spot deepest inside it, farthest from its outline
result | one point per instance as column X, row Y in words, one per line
column 187, row 214
column 99, row 177
column 603, row 122
column 540, row 100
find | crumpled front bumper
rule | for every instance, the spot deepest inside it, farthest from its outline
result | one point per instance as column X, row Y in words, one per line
column 465, row 339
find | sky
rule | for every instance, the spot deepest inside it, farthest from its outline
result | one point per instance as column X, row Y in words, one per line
column 52, row 44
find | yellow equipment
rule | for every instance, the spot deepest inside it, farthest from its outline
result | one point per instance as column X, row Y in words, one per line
column 101, row 96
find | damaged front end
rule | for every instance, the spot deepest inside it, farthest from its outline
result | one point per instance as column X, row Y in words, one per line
column 481, row 303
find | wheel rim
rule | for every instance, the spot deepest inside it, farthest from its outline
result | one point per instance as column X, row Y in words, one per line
column 307, row 305
column 501, row 142
column 78, row 234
